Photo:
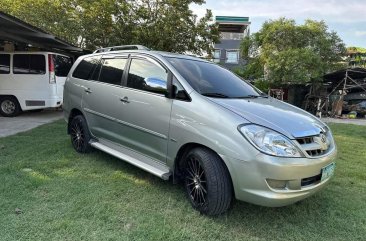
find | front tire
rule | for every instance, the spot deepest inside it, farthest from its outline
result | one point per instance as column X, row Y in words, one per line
column 9, row 106
column 207, row 182
column 80, row 135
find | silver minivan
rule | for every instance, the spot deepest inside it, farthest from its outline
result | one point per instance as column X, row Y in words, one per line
column 190, row 120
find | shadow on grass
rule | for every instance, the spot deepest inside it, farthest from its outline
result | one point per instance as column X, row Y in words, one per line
column 308, row 217
column 96, row 190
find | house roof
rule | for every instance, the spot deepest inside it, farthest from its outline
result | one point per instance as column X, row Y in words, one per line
column 15, row 30
column 354, row 73
column 232, row 19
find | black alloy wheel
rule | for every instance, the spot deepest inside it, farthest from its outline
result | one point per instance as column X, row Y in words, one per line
column 80, row 135
column 207, row 181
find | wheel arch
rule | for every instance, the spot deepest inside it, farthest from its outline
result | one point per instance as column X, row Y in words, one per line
column 13, row 96
column 74, row 112
column 184, row 149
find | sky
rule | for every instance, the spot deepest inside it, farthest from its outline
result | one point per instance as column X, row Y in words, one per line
column 346, row 17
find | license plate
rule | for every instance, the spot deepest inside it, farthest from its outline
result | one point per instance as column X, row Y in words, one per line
column 328, row 171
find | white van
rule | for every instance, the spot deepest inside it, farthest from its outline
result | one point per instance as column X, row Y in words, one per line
column 31, row 81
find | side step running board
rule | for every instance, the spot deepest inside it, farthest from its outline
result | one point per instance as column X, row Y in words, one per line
column 147, row 164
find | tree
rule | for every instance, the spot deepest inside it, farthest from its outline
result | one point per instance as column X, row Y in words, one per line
column 167, row 25
column 284, row 52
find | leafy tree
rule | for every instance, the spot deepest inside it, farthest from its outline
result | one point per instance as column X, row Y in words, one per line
column 285, row 52
column 159, row 24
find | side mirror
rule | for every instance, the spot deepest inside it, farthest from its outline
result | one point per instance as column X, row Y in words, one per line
column 179, row 94
column 155, row 85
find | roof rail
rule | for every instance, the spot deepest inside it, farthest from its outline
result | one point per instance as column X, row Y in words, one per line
column 122, row 47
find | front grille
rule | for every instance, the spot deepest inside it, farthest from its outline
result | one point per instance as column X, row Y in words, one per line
column 305, row 140
column 315, row 145
column 317, row 152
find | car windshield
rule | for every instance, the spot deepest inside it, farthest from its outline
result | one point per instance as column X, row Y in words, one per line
column 212, row 80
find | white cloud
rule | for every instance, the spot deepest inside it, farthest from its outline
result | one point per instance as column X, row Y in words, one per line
column 332, row 10
column 360, row 33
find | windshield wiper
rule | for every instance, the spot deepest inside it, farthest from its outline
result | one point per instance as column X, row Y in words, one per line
column 253, row 96
column 217, row 95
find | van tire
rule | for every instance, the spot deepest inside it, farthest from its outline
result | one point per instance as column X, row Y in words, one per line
column 207, row 182
column 9, row 106
column 80, row 135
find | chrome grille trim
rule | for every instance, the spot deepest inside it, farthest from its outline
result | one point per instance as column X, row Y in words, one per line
column 315, row 146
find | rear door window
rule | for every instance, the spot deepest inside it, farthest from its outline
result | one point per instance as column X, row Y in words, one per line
column 29, row 64
column 63, row 65
column 4, row 63
column 112, row 70
column 86, row 68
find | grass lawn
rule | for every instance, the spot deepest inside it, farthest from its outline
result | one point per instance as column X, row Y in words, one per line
column 63, row 195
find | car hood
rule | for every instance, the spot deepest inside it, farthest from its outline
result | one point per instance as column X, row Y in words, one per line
column 274, row 114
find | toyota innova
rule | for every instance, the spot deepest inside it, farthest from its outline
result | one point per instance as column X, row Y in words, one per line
column 184, row 118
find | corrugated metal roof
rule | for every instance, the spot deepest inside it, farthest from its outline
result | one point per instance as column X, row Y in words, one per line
column 15, row 30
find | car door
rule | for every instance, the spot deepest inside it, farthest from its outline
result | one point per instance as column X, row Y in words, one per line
column 101, row 98
column 144, row 108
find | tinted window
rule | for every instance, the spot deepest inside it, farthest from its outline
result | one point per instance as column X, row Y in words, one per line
column 29, row 64
column 85, row 68
column 4, row 63
column 37, row 64
column 96, row 72
column 145, row 75
column 112, row 71
column 212, row 80
column 62, row 65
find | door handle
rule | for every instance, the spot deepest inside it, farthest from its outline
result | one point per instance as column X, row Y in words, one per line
column 87, row 90
column 124, row 99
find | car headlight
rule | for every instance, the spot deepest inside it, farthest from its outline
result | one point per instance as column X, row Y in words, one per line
column 269, row 141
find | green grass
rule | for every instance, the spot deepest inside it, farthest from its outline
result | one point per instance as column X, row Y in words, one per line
column 68, row 196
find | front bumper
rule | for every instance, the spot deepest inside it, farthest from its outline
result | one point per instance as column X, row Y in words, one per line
column 250, row 178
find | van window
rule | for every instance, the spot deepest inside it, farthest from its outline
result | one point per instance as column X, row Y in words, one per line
column 145, row 75
column 112, row 71
column 29, row 64
column 85, row 68
column 4, row 63
column 63, row 65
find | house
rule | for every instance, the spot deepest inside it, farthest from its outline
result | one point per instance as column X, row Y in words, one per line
column 356, row 57
column 232, row 31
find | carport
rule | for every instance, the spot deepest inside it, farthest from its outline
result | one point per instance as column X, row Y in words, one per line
column 22, row 34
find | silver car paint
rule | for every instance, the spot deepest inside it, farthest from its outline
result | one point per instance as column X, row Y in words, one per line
column 209, row 122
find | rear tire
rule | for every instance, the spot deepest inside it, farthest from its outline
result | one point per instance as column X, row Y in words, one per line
column 207, row 182
column 9, row 106
column 80, row 135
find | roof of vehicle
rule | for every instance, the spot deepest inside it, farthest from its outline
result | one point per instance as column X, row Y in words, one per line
column 121, row 47
column 153, row 52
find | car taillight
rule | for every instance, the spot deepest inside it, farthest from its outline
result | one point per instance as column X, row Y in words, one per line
column 51, row 69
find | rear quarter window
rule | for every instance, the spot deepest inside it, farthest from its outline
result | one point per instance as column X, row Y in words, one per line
column 4, row 63
column 85, row 68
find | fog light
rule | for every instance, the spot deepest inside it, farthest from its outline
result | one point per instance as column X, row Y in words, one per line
column 277, row 184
